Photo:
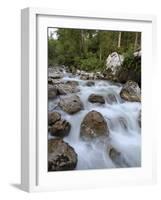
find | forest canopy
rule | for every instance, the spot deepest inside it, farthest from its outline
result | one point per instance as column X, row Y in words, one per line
column 88, row 49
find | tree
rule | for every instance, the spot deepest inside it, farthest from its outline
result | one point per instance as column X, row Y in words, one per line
column 119, row 40
column 89, row 49
column 136, row 41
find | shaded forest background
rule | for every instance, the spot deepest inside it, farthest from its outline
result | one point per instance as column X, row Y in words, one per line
column 88, row 49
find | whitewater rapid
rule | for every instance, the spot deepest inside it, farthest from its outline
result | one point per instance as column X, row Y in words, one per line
column 122, row 120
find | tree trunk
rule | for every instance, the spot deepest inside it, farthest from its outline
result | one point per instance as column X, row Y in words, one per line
column 100, row 54
column 119, row 40
column 136, row 41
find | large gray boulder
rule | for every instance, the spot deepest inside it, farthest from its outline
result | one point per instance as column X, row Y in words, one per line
column 93, row 125
column 61, row 156
column 131, row 92
column 71, row 104
column 114, row 62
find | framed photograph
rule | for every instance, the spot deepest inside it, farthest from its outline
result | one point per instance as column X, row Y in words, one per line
column 86, row 103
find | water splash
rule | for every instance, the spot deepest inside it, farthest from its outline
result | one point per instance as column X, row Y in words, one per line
column 122, row 120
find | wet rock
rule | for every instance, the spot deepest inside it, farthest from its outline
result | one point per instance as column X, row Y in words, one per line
column 93, row 125
column 52, row 92
column 117, row 157
column 90, row 83
column 114, row 154
column 61, row 156
column 122, row 122
column 111, row 99
column 60, row 128
column 50, row 81
column 71, row 104
column 53, row 117
column 131, row 92
column 84, row 77
column 66, row 88
column 95, row 98
column 57, row 81
column 73, row 83
column 56, row 75
column 98, row 76
column 57, row 71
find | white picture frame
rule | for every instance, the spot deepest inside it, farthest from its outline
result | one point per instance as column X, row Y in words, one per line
column 33, row 175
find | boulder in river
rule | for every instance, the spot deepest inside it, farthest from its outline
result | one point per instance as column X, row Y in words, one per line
column 61, row 156
column 60, row 128
column 95, row 98
column 72, row 83
column 71, row 104
column 53, row 117
column 93, row 125
column 52, row 92
column 66, row 88
column 131, row 92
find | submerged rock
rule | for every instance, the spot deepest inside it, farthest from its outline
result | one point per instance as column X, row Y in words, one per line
column 131, row 92
column 139, row 119
column 61, row 156
column 111, row 99
column 90, row 83
column 117, row 157
column 93, row 125
column 60, row 128
column 71, row 104
column 114, row 154
column 122, row 122
column 53, row 117
column 95, row 98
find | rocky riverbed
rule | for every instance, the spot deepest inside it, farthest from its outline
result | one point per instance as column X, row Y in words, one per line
column 92, row 123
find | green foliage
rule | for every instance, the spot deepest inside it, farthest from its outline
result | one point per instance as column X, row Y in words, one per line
column 132, row 62
column 91, row 64
column 88, row 49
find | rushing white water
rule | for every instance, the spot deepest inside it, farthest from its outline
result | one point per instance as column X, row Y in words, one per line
column 122, row 120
